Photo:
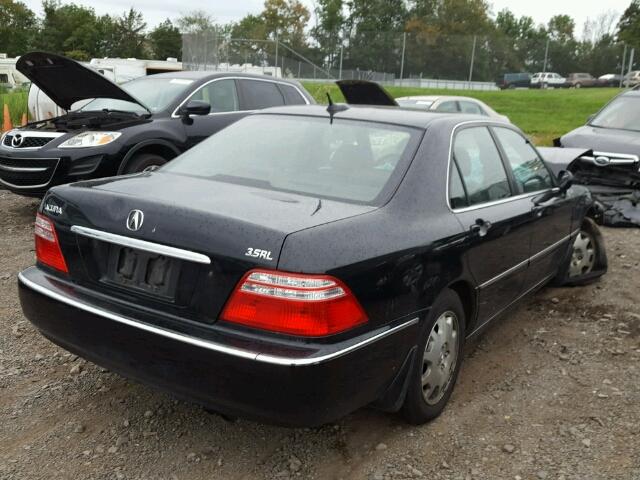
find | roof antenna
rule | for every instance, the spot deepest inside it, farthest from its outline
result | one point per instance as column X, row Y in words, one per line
column 333, row 108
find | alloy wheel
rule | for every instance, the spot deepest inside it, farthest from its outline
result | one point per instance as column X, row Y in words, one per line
column 583, row 257
column 440, row 357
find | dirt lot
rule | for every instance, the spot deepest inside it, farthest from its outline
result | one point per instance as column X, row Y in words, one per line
column 552, row 391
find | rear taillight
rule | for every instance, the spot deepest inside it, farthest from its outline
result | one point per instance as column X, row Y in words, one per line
column 47, row 247
column 306, row 305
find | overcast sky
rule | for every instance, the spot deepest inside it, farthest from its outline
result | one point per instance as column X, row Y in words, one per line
column 224, row 10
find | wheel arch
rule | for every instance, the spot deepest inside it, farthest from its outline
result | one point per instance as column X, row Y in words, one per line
column 163, row 148
column 467, row 293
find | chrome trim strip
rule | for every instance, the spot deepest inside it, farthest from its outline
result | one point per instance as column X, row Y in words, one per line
column 517, row 299
column 43, row 185
column 29, row 134
column 524, row 263
column 175, row 112
column 141, row 245
column 501, row 201
column 209, row 345
column 23, row 169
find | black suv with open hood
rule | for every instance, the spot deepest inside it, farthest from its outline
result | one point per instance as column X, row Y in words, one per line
column 132, row 128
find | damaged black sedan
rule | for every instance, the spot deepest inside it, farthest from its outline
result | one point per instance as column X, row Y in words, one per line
column 322, row 260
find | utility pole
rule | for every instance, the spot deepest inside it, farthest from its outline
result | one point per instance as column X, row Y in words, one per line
column 633, row 51
column 404, row 46
column 473, row 59
column 340, row 70
column 624, row 60
column 275, row 74
column 546, row 57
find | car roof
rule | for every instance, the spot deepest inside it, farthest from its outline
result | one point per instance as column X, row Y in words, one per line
column 209, row 75
column 395, row 115
column 435, row 98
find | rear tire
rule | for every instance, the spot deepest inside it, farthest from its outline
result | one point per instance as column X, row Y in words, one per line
column 144, row 162
column 434, row 374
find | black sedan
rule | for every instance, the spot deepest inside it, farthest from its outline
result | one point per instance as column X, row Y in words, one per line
column 139, row 126
column 320, row 261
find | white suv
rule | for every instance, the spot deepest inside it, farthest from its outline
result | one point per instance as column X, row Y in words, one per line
column 547, row 79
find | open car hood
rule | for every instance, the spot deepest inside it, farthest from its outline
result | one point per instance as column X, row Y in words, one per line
column 363, row 92
column 66, row 81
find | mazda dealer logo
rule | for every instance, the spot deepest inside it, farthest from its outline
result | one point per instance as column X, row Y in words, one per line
column 602, row 161
column 17, row 140
column 134, row 220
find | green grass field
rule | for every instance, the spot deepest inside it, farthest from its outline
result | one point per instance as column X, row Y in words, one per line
column 542, row 114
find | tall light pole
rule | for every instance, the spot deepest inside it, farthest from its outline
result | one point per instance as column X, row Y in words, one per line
column 404, row 46
column 546, row 57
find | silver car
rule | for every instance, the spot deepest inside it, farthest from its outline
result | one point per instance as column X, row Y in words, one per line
column 450, row 104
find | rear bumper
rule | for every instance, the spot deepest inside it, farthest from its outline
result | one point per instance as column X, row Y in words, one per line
column 254, row 379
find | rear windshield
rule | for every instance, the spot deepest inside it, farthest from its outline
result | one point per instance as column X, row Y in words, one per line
column 622, row 113
column 348, row 160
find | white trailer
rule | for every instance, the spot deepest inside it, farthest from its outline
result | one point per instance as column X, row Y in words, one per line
column 9, row 76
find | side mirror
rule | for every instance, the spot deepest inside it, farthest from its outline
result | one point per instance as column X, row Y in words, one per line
column 194, row 107
column 565, row 180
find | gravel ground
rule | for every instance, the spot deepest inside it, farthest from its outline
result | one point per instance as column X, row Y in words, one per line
column 552, row 391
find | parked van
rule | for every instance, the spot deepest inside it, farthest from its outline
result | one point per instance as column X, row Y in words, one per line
column 514, row 80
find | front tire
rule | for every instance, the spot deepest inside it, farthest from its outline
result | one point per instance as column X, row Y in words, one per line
column 434, row 374
column 587, row 261
column 144, row 162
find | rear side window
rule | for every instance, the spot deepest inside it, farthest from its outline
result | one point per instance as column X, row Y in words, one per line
column 259, row 94
column 291, row 95
column 221, row 95
column 448, row 107
column 470, row 107
column 457, row 195
column 481, row 167
column 530, row 172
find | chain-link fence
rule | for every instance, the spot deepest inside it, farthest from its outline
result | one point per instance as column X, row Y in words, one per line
column 416, row 59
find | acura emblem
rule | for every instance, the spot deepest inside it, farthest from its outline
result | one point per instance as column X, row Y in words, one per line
column 17, row 140
column 135, row 220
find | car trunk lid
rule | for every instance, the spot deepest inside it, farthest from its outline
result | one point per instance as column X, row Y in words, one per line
column 235, row 227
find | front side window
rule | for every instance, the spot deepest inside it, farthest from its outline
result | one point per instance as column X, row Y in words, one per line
column 220, row 94
column 259, row 94
column 346, row 160
column 481, row 167
column 530, row 172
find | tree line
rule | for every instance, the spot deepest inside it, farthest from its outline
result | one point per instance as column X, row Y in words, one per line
column 436, row 36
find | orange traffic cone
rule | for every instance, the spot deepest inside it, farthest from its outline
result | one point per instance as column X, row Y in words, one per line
column 6, row 124
column 24, row 120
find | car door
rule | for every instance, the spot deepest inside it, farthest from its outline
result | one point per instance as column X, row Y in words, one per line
column 550, row 221
column 482, row 197
column 222, row 95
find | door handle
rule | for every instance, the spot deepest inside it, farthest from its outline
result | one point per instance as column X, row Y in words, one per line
column 481, row 227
